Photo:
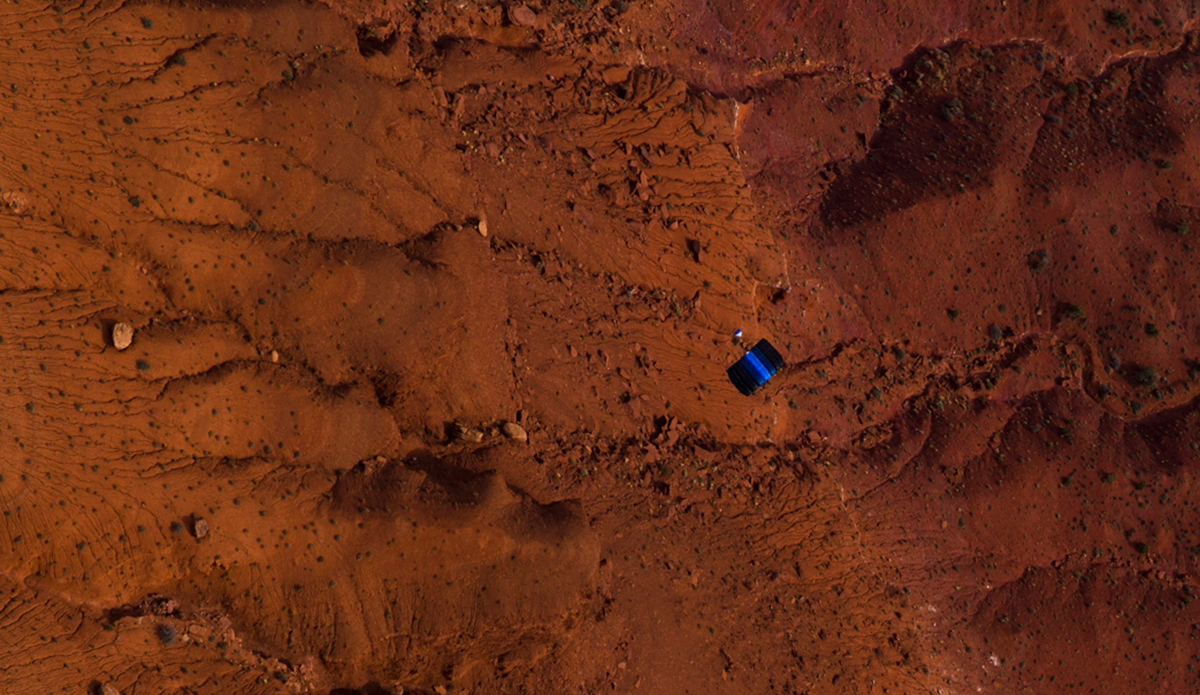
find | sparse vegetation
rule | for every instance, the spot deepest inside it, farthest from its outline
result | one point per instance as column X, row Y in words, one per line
column 1146, row 376
column 1038, row 260
column 167, row 634
column 1116, row 18
column 951, row 109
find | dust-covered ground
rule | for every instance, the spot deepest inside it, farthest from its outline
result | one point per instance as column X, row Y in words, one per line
column 432, row 305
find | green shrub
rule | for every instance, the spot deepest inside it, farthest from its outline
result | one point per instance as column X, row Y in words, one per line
column 1038, row 260
column 167, row 633
column 1146, row 376
column 1116, row 18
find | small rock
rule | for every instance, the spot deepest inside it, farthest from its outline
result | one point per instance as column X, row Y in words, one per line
column 615, row 74
column 514, row 431
column 483, row 227
column 470, row 434
column 122, row 336
column 200, row 528
column 108, row 689
column 522, row 15
column 275, row 356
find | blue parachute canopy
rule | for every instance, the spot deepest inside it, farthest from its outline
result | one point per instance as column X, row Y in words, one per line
column 755, row 367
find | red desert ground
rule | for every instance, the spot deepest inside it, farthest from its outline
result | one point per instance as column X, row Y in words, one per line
column 357, row 347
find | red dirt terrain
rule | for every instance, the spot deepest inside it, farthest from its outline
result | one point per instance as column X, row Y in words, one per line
column 432, row 304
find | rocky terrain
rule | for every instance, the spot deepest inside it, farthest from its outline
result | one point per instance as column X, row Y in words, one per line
column 364, row 347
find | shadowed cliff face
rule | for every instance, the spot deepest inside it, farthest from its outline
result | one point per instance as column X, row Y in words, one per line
column 358, row 243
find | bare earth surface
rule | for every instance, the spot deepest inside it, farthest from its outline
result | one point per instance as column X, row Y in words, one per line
column 432, row 304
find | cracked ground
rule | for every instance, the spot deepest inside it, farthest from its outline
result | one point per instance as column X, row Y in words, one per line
column 359, row 242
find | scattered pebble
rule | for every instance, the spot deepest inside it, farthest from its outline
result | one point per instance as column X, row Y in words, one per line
column 522, row 15
column 514, row 431
column 275, row 356
column 200, row 528
column 483, row 227
column 109, row 689
column 122, row 336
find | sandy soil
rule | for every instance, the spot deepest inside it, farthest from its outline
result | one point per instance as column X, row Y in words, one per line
column 432, row 305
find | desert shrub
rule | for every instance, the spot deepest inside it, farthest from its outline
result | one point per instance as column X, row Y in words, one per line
column 951, row 109
column 167, row 633
column 1038, row 260
column 1146, row 376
